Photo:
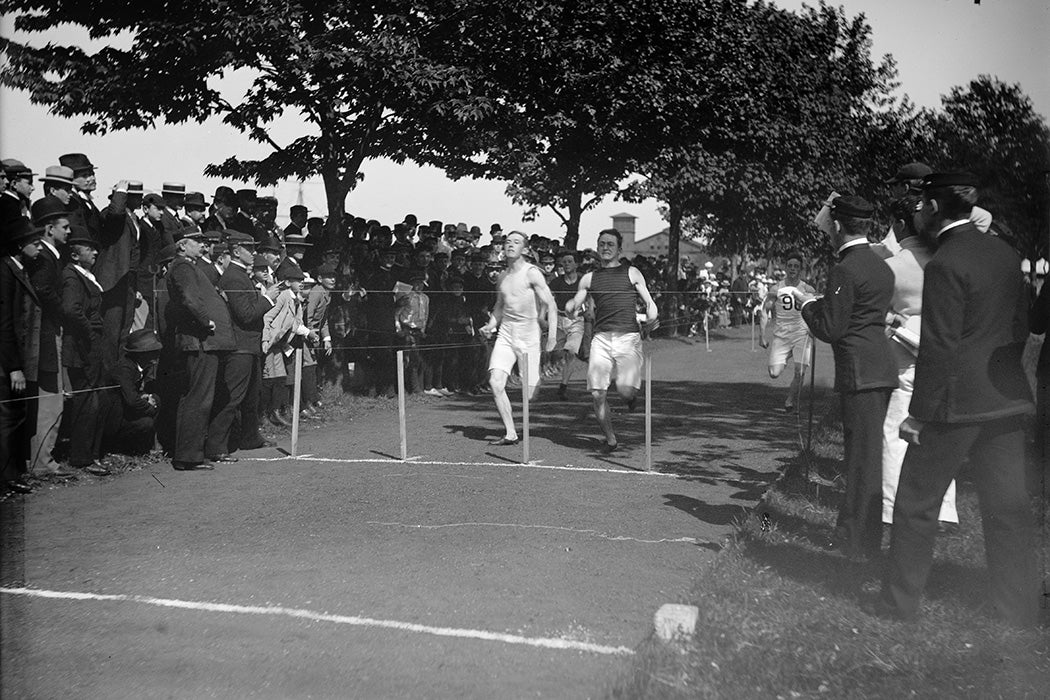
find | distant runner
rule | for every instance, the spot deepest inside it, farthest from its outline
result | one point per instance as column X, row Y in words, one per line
column 791, row 337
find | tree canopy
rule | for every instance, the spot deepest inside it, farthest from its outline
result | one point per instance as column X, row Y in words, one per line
column 368, row 79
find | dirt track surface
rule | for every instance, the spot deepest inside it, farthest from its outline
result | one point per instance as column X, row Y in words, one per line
column 455, row 574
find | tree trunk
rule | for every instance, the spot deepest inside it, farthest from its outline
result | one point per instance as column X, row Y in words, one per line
column 572, row 223
column 336, row 189
column 672, row 301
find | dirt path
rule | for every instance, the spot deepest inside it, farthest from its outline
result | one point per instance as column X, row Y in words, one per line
column 457, row 574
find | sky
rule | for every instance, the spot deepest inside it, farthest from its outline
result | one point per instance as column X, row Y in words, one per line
column 937, row 44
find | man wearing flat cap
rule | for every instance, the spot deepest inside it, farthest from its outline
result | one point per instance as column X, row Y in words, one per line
column 86, row 217
column 14, row 200
column 237, row 394
column 203, row 334
column 970, row 395
column 851, row 316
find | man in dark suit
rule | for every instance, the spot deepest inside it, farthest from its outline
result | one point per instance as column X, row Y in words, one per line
column 117, row 266
column 126, row 414
column 970, row 394
column 81, row 355
column 298, row 214
column 172, row 222
column 196, row 212
column 243, row 219
column 45, row 272
column 19, row 335
column 237, row 393
column 851, row 316
column 203, row 333
column 14, row 198
column 153, row 237
column 223, row 208
column 85, row 219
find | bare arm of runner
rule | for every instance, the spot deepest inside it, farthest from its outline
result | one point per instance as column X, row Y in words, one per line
column 651, row 313
column 575, row 305
column 496, row 316
column 769, row 305
column 539, row 286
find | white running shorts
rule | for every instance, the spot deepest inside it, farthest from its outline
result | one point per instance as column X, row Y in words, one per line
column 615, row 355
column 513, row 342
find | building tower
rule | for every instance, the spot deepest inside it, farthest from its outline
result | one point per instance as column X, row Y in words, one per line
column 624, row 223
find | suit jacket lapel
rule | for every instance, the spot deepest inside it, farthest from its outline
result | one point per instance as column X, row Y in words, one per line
column 23, row 279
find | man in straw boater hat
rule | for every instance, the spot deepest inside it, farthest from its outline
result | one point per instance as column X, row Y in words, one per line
column 57, row 182
column 174, row 195
column 86, row 217
column 515, row 321
column 117, row 266
column 851, row 316
column 969, row 398
column 616, row 347
column 45, row 272
column 19, row 339
column 203, row 333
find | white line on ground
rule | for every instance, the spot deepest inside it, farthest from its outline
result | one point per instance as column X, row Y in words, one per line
column 595, row 533
column 484, row 635
column 438, row 463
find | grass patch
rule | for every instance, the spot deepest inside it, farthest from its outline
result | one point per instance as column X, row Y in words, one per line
column 779, row 615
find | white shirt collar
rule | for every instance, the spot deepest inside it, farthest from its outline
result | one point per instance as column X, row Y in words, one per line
column 952, row 225
column 852, row 244
column 52, row 248
column 88, row 276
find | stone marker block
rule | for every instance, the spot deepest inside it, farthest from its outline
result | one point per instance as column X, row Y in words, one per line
column 673, row 621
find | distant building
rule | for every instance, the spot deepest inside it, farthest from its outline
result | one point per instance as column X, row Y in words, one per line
column 656, row 245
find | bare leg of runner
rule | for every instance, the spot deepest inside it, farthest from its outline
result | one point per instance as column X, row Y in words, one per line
column 498, row 384
column 796, row 383
column 601, row 412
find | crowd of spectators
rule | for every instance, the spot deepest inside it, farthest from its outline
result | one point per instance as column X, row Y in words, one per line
column 170, row 318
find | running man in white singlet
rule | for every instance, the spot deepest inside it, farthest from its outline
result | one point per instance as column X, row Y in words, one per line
column 522, row 290
column 791, row 337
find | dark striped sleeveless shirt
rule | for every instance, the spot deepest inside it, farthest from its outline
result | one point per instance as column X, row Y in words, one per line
column 614, row 297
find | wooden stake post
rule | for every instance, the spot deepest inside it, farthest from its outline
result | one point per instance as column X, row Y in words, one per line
column 401, row 403
column 525, row 408
column 649, row 413
column 297, row 393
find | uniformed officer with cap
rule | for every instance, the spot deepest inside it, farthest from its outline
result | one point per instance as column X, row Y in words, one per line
column 969, row 396
column 851, row 316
